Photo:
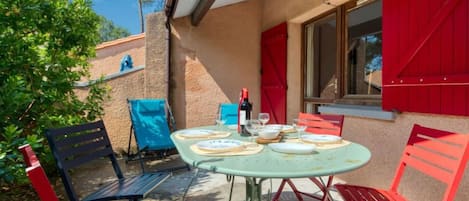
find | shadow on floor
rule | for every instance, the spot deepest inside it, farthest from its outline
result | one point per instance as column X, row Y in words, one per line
column 207, row 186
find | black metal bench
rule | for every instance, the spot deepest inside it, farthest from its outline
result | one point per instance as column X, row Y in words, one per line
column 76, row 145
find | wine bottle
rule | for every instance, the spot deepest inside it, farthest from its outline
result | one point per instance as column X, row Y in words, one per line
column 245, row 109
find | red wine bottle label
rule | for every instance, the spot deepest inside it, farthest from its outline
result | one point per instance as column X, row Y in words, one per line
column 242, row 117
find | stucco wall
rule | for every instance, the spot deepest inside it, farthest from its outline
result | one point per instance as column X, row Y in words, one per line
column 110, row 54
column 116, row 117
column 156, row 70
column 213, row 61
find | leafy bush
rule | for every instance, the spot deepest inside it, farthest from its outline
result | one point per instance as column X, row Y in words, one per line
column 45, row 47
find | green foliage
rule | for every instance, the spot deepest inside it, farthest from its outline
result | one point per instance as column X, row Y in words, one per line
column 12, row 169
column 109, row 31
column 45, row 47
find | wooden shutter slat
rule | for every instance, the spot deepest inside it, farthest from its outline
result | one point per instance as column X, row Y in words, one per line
column 460, row 39
column 447, row 47
column 459, row 99
column 389, row 47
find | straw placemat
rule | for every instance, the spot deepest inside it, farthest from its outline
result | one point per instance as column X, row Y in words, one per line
column 248, row 149
column 213, row 135
column 342, row 143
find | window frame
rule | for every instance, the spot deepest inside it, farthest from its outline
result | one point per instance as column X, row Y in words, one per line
column 341, row 96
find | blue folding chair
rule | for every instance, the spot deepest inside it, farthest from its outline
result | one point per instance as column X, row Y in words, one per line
column 149, row 118
column 229, row 112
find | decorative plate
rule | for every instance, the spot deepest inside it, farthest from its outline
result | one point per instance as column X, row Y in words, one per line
column 196, row 133
column 221, row 145
column 321, row 139
column 292, row 148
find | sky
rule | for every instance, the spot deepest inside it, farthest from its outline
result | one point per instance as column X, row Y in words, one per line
column 124, row 13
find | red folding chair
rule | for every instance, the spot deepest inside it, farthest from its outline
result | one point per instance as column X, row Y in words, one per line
column 319, row 124
column 440, row 154
column 36, row 175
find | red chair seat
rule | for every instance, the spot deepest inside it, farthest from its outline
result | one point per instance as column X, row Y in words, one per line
column 315, row 123
column 361, row 193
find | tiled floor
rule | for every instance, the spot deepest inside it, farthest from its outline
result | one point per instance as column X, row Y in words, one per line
column 206, row 186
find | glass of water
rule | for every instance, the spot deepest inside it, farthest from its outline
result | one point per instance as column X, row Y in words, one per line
column 300, row 126
column 253, row 126
column 220, row 123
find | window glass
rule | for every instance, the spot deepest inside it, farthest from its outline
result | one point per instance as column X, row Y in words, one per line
column 321, row 58
column 364, row 50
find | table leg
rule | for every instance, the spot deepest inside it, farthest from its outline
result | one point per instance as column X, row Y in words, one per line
column 254, row 188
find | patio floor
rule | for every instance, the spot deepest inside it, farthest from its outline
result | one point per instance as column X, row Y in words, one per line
column 207, row 186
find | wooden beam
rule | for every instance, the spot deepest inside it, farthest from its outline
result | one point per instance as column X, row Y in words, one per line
column 199, row 12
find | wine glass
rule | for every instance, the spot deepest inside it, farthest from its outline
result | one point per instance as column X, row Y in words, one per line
column 220, row 123
column 299, row 125
column 253, row 126
column 264, row 118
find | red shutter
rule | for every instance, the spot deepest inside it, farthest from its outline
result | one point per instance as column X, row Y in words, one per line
column 426, row 56
column 274, row 68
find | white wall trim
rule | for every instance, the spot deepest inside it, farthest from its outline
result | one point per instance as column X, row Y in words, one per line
column 109, row 77
column 372, row 112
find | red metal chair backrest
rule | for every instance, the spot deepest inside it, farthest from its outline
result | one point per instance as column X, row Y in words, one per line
column 323, row 123
column 440, row 154
column 36, row 175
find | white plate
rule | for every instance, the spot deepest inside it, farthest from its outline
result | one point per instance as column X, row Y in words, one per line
column 232, row 126
column 292, row 148
column 196, row 133
column 321, row 139
column 220, row 145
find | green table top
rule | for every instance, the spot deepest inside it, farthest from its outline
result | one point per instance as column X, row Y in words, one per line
column 271, row 164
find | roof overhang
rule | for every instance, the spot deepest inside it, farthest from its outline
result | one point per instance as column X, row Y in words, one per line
column 195, row 8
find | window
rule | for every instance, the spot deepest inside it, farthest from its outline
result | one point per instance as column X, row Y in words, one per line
column 321, row 61
column 343, row 57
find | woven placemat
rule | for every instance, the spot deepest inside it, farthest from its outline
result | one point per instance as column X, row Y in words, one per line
column 214, row 135
column 248, row 149
column 322, row 146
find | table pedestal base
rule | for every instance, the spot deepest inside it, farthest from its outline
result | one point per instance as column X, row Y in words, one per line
column 254, row 188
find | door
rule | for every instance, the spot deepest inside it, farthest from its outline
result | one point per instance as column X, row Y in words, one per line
column 273, row 73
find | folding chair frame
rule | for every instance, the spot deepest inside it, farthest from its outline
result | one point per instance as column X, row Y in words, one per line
column 160, row 153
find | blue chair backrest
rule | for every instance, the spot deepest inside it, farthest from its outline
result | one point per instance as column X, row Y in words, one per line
column 150, row 124
column 229, row 112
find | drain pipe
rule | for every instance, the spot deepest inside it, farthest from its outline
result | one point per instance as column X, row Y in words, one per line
column 169, row 11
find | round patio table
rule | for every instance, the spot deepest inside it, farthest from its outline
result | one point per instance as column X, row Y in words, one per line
column 270, row 164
